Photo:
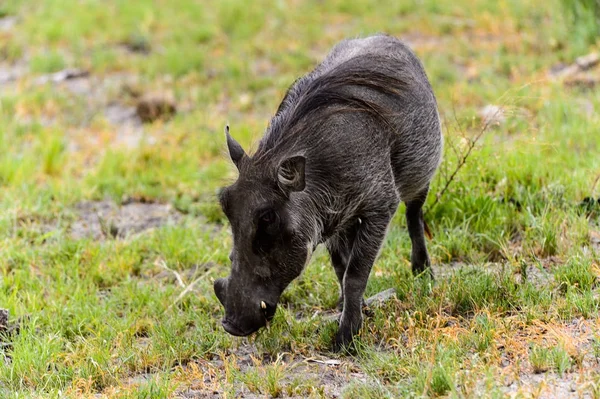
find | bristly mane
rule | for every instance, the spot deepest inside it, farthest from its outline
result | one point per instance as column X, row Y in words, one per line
column 328, row 93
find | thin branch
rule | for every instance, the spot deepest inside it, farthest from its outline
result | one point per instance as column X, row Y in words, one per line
column 462, row 158
column 596, row 180
column 163, row 264
column 189, row 288
column 472, row 142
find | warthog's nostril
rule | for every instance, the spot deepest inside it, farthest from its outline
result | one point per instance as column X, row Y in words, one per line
column 220, row 288
column 232, row 328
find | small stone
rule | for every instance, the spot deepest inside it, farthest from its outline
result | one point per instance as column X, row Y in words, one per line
column 153, row 107
column 381, row 297
column 583, row 80
column 577, row 73
column 138, row 43
column 61, row 76
column 588, row 61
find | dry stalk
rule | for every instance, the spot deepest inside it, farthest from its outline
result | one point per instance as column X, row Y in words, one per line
column 163, row 264
column 189, row 288
column 462, row 156
column 596, row 180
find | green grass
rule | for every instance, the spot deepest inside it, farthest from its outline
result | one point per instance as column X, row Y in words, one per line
column 517, row 268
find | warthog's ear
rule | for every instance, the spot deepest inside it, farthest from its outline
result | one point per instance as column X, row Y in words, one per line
column 236, row 152
column 291, row 174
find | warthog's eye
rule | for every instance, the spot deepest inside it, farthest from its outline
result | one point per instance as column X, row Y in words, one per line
column 269, row 217
column 267, row 230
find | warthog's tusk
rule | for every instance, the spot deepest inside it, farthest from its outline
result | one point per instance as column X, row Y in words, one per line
column 263, row 305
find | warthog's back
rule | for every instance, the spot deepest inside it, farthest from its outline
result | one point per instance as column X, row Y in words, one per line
column 393, row 114
column 416, row 140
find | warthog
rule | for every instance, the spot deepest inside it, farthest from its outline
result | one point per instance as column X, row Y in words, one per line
column 350, row 140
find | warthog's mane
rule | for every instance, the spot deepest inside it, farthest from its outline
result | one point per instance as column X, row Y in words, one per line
column 312, row 98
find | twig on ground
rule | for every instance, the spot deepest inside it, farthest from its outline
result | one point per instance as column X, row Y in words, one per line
column 163, row 264
column 189, row 288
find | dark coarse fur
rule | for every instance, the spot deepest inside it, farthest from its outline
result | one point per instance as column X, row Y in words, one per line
column 349, row 141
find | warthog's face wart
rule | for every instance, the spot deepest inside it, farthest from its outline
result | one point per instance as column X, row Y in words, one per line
column 268, row 250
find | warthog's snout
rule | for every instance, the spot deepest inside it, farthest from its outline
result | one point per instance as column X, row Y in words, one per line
column 232, row 329
column 243, row 316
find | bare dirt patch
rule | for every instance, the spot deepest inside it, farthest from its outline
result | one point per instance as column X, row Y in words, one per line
column 578, row 338
column 117, row 98
column 550, row 386
column 11, row 72
column 7, row 23
column 584, row 72
column 299, row 376
column 128, row 125
column 595, row 240
column 105, row 219
column 106, row 96
column 538, row 275
column 153, row 107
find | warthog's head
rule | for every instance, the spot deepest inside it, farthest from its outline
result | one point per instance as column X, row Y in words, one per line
column 269, row 250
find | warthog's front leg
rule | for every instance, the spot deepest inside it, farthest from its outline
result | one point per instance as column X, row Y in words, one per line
column 340, row 250
column 368, row 240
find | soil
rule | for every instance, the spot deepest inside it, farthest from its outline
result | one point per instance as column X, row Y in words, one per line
column 114, row 96
column 595, row 240
column 104, row 219
column 578, row 338
column 328, row 375
column 547, row 386
column 583, row 73
column 538, row 276
column 11, row 72
column 7, row 23
column 154, row 107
